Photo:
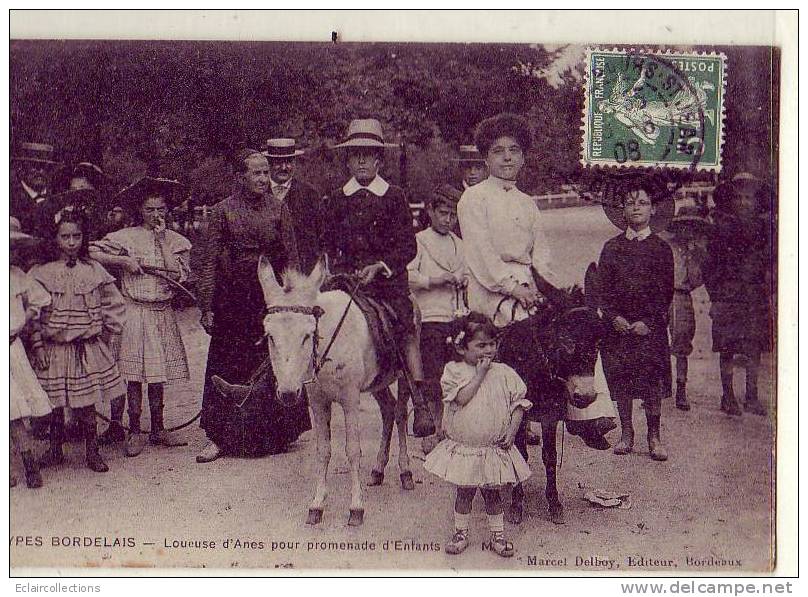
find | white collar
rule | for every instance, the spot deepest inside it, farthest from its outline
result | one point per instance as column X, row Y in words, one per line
column 378, row 186
column 32, row 193
column 287, row 184
column 501, row 183
column 631, row 234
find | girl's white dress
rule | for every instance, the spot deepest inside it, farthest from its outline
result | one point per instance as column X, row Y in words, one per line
column 469, row 457
column 27, row 397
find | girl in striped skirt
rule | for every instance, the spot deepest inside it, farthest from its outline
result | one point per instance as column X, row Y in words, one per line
column 151, row 349
column 86, row 310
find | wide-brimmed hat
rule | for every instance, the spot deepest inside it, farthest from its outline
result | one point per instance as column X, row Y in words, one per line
column 40, row 153
column 89, row 171
column 282, row 148
column 723, row 193
column 18, row 237
column 662, row 199
column 365, row 132
column 132, row 197
column 690, row 219
column 468, row 153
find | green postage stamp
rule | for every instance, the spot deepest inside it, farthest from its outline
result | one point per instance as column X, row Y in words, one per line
column 654, row 109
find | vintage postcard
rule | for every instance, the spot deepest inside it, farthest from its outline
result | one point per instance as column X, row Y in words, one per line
column 286, row 301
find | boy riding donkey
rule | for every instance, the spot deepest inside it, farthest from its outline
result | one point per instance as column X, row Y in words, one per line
column 367, row 231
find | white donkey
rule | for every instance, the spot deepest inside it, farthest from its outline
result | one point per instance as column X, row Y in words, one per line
column 301, row 325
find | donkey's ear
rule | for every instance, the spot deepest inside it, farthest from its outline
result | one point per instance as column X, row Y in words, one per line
column 318, row 274
column 591, row 286
column 269, row 283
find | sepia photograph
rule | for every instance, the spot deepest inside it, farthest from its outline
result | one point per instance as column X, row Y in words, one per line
column 336, row 304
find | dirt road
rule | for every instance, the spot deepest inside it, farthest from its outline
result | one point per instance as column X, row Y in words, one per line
column 709, row 508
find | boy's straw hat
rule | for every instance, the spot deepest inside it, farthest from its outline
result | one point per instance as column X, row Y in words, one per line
column 468, row 154
column 365, row 132
column 40, row 153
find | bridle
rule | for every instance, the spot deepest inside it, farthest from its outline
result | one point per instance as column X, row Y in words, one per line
column 317, row 360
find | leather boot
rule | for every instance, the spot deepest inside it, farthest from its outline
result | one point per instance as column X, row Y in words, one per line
column 655, row 447
column 135, row 441
column 115, row 432
column 751, row 403
column 681, row 396
column 55, row 456
column 93, row 456
column 422, row 425
column 33, row 478
column 626, row 443
column 159, row 436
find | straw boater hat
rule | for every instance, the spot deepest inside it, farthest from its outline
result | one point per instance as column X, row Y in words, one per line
column 40, row 153
column 658, row 192
column 468, row 154
column 18, row 238
column 723, row 192
column 365, row 132
column 282, row 149
column 132, row 197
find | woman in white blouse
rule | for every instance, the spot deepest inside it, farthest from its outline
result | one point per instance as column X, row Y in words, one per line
column 501, row 227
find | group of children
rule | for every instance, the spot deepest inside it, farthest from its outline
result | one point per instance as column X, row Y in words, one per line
column 644, row 292
column 70, row 312
column 89, row 344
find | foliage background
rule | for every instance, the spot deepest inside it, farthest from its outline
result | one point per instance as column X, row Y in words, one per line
column 180, row 108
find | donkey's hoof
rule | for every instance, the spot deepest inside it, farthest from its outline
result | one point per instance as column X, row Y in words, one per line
column 515, row 513
column 356, row 517
column 376, row 478
column 557, row 514
column 315, row 516
column 406, row 481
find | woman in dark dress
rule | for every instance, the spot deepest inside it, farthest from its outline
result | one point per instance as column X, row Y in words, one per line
column 249, row 223
column 636, row 289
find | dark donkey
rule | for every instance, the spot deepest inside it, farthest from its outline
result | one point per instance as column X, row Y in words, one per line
column 554, row 351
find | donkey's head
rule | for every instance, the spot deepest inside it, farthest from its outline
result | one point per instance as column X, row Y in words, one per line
column 291, row 326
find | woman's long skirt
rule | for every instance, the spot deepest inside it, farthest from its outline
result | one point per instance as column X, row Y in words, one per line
column 260, row 426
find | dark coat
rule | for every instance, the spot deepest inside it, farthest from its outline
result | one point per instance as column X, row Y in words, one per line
column 636, row 282
column 364, row 229
column 738, row 277
column 24, row 208
column 305, row 203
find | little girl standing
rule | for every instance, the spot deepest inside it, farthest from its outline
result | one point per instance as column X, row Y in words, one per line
column 26, row 395
column 484, row 403
column 86, row 309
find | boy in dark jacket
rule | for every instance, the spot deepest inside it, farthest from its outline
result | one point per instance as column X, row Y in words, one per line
column 636, row 281
column 367, row 231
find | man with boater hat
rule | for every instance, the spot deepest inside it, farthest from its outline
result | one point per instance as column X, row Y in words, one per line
column 367, row 231
column 301, row 198
column 33, row 165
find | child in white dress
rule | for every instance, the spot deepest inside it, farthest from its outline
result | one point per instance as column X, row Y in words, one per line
column 27, row 398
column 484, row 403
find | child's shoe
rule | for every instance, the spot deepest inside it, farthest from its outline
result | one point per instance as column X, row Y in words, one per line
column 459, row 542
column 682, row 402
column 33, row 478
column 729, row 404
column 500, row 545
column 134, row 444
column 114, row 434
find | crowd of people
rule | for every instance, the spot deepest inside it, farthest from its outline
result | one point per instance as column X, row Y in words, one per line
column 93, row 297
